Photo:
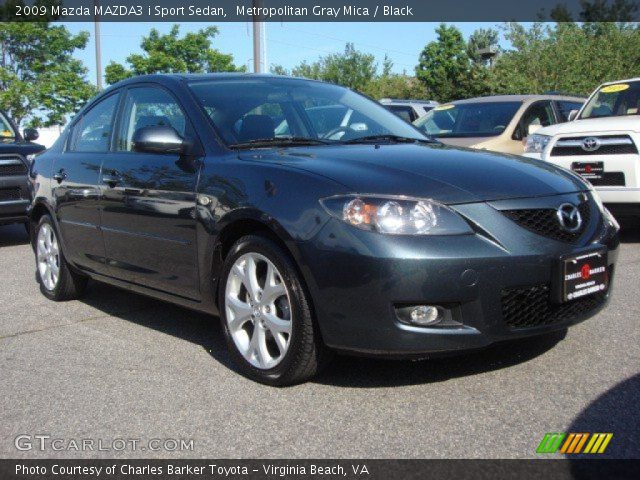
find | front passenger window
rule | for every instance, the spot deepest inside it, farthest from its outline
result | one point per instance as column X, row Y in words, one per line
column 148, row 107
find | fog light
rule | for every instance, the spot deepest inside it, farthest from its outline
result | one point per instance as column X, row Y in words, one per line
column 425, row 315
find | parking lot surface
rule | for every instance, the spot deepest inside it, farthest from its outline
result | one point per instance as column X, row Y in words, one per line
column 116, row 365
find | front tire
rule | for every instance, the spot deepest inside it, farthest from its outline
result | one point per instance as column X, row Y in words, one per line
column 57, row 280
column 266, row 315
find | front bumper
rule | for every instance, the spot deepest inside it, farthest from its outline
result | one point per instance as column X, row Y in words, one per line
column 14, row 199
column 357, row 278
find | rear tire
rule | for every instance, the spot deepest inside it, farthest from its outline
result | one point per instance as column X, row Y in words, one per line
column 57, row 280
column 266, row 315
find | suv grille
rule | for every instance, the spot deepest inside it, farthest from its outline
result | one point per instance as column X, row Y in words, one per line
column 12, row 167
column 7, row 194
column 609, row 145
column 544, row 221
column 532, row 307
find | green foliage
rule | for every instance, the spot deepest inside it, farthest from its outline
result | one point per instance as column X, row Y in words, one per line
column 447, row 70
column 351, row 68
column 169, row 53
column 566, row 57
column 40, row 81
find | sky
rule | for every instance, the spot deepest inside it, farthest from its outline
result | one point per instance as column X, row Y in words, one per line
column 288, row 44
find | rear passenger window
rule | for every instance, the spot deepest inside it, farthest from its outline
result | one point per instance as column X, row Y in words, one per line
column 148, row 107
column 93, row 132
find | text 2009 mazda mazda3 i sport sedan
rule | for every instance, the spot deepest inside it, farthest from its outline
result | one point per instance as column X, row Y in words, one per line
column 364, row 238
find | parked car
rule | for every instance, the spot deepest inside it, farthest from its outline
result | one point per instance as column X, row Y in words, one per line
column 16, row 154
column 498, row 123
column 409, row 110
column 383, row 242
column 601, row 144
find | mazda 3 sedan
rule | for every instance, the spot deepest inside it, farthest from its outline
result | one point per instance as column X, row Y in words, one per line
column 366, row 237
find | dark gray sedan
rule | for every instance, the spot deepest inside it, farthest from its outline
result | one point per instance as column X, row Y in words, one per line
column 365, row 237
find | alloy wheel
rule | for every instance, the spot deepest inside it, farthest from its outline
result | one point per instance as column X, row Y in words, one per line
column 258, row 310
column 48, row 256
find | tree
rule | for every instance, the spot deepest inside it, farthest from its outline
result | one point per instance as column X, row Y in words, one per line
column 168, row 53
column 566, row 57
column 351, row 68
column 40, row 81
column 482, row 39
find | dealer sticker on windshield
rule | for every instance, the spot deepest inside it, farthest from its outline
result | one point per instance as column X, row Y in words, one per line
column 618, row 87
column 585, row 274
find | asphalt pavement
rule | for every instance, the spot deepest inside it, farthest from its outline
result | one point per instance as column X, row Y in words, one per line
column 119, row 368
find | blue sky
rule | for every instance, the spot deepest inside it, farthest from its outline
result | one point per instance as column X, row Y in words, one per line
column 288, row 43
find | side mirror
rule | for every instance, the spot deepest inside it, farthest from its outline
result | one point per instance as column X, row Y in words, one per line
column 158, row 139
column 572, row 115
column 533, row 128
column 30, row 134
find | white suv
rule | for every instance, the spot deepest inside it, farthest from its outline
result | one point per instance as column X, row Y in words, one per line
column 601, row 143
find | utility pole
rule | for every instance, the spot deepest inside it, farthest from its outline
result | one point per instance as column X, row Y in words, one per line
column 258, row 65
column 96, row 25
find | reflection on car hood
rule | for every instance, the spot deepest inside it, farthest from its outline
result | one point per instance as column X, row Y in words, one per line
column 435, row 171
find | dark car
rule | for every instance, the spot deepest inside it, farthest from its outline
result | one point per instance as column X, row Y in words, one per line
column 16, row 154
column 372, row 240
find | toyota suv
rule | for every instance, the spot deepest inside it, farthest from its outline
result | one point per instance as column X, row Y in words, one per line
column 16, row 153
column 601, row 144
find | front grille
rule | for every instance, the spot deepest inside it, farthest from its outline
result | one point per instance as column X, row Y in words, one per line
column 8, row 169
column 7, row 194
column 611, row 145
column 544, row 221
column 532, row 307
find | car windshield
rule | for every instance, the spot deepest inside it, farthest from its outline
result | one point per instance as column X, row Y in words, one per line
column 6, row 130
column 481, row 119
column 615, row 100
column 278, row 109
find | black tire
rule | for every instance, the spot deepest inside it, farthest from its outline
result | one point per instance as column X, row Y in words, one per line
column 306, row 354
column 71, row 284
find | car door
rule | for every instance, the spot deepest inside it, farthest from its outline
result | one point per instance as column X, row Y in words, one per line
column 539, row 114
column 75, row 187
column 148, row 199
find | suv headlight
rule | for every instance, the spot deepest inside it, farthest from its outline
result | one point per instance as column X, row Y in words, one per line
column 536, row 143
column 397, row 215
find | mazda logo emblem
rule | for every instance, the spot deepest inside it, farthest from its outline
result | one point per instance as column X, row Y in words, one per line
column 569, row 217
column 590, row 144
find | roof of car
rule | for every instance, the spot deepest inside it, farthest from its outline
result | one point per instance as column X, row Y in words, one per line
column 636, row 79
column 398, row 101
column 517, row 98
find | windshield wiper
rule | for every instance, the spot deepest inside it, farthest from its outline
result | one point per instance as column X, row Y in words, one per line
column 388, row 138
column 279, row 142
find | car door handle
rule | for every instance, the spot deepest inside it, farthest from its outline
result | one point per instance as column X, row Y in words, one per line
column 60, row 175
column 111, row 179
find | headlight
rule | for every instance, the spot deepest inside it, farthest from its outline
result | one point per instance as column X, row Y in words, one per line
column 397, row 215
column 536, row 143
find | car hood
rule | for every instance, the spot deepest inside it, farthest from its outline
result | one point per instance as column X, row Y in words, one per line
column 594, row 125
column 442, row 173
column 22, row 148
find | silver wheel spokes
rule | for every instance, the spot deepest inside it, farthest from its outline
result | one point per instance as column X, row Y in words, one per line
column 48, row 257
column 258, row 310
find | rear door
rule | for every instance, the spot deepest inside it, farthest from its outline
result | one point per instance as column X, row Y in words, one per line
column 75, row 188
column 148, row 216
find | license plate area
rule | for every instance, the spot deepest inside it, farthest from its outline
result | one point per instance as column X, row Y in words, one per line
column 583, row 274
column 589, row 170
